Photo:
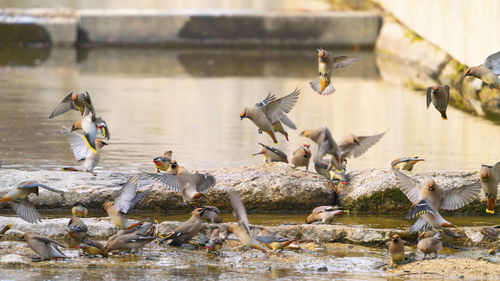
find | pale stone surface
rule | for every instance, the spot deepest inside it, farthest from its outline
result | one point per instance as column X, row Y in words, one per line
column 13, row 259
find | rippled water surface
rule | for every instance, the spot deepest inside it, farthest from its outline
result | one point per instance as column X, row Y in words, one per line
column 189, row 101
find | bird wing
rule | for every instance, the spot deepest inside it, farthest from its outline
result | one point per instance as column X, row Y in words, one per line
column 25, row 209
column 173, row 182
column 493, row 62
column 239, row 211
column 447, row 88
column 36, row 184
column 343, row 61
column 77, row 143
column 410, row 186
column 429, row 98
column 355, row 150
column 323, row 209
column 420, row 225
column 422, row 207
column 48, row 241
column 64, row 106
column 204, row 181
column 128, row 196
column 276, row 109
column 270, row 97
column 90, row 137
column 213, row 209
column 456, row 198
column 285, row 120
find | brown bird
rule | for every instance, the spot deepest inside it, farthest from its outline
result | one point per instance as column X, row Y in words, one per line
column 92, row 248
column 80, row 210
column 162, row 163
column 46, row 248
column 181, row 180
column 75, row 101
column 396, row 249
column 324, row 214
column 186, row 230
column 139, row 228
column 242, row 229
column 77, row 229
column 430, row 245
column 272, row 154
column 270, row 110
column 490, row 177
column 18, row 199
column 488, row 71
column 124, row 202
column 82, row 152
column 406, row 163
column 429, row 217
column 301, row 157
column 274, row 242
column 327, row 62
column 214, row 242
column 439, row 96
column 132, row 241
column 211, row 214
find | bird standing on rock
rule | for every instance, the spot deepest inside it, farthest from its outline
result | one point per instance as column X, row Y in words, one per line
column 488, row 71
column 274, row 242
column 272, row 154
column 327, row 62
column 439, row 96
column 162, row 163
column 77, row 229
column 406, row 163
column 430, row 245
column 186, row 230
column 269, row 111
column 46, row 248
column 490, row 177
column 396, row 249
column 301, row 157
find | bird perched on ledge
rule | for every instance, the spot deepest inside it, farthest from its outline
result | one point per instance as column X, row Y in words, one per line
column 406, row 163
column 272, row 154
column 490, row 177
column 396, row 249
column 327, row 62
column 430, row 245
column 301, row 157
column 186, row 230
column 46, row 248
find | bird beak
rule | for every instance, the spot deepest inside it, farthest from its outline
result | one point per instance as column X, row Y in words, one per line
column 255, row 154
column 104, row 143
column 241, row 117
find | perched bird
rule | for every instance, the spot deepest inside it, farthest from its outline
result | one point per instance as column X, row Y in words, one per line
column 430, row 245
column 488, row 71
column 124, row 202
column 92, row 248
column 351, row 146
column 77, row 229
column 324, row 214
column 82, row 152
column 242, row 229
column 274, row 242
column 270, row 110
column 181, row 180
column 396, row 249
column 327, row 62
column 439, row 96
column 89, row 127
column 215, row 242
column 5, row 229
column 162, row 163
column 103, row 127
column 186, row 230
column 46, row 248
column 75, row 101
column 18, row 199
column 438, row 198
column 406, row 163
column 301, row 157
column 272, row 154
column 490, row 177
column 430, row 215
column 131, row 241
column 139, row 228
column 80, row 210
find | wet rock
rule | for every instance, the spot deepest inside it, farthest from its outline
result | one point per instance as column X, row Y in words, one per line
column 13, row 259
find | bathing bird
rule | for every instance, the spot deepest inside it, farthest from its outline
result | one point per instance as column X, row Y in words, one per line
column 76, row 101
column 270, row 110
column 80, row 209
column 131, row 241
column 92, row 248
column 124, row 202
column 488, row 71
column 406, row 163
column 439, row 96
column 490, row 177
column 327, row 62
column 430, row 215
column 430, row 245
column 396, row 249
column 186, row 230
column 162, row 163
column 437, row 197
column 181, row 180
column 274, row 242
column 141, row 228
column 242, row 229
column 82, row 152
column 215, row 242
column 77, row 229
column 46, row 248
column 301, row 157
column 324, row 214
column 271, row 154
column 18, row 199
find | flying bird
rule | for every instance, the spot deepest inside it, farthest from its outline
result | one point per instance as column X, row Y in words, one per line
column 83, row 152
column 73, row 101
column 439, row 96
column 327, row 62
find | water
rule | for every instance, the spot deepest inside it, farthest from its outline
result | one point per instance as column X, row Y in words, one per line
column 189, row 101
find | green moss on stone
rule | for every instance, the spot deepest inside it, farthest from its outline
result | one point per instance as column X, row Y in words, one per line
column 389, row 199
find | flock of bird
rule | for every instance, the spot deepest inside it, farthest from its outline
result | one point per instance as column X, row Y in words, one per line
column 269, row 115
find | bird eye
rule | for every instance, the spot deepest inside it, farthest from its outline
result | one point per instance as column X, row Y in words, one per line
column 320, row 74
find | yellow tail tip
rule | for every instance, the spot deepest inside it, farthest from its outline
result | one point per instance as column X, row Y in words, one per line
column 444, row 118
column 490, row 211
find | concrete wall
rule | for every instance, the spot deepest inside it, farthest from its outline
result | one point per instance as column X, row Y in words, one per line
column 466, row 29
